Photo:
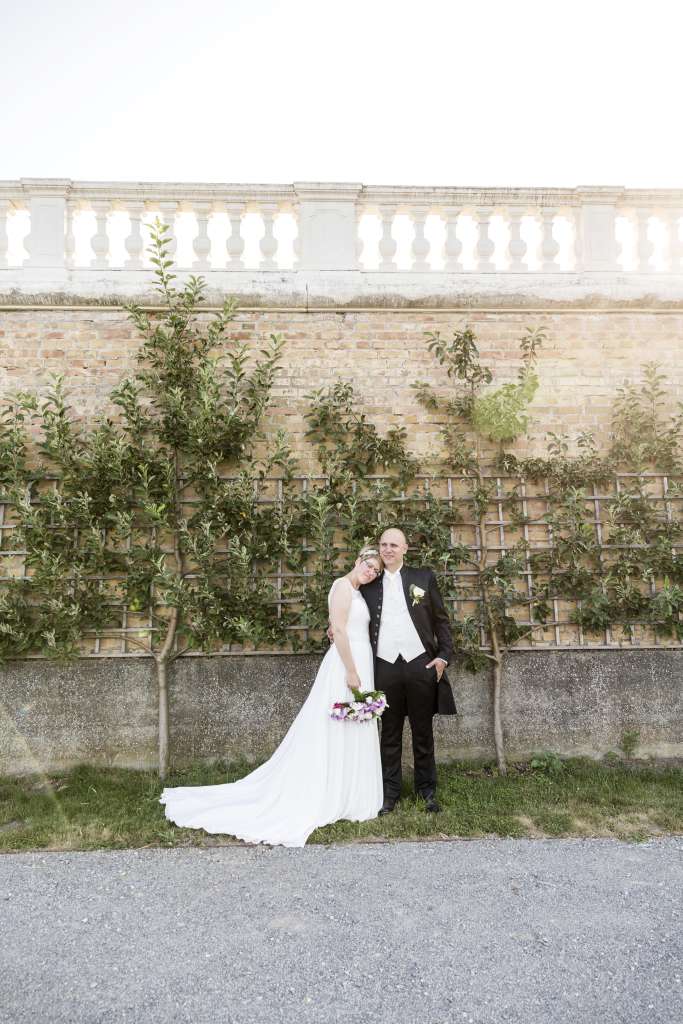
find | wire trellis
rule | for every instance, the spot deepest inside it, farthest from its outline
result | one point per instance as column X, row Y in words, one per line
column 530, row 531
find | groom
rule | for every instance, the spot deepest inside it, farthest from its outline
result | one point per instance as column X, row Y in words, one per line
column 411, row 639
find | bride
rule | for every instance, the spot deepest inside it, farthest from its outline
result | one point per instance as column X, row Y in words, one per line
column 323, row 770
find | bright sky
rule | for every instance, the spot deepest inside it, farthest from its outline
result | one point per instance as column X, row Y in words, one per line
column 433, row 92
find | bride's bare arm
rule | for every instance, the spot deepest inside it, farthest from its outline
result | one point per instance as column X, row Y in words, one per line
column 340, row 606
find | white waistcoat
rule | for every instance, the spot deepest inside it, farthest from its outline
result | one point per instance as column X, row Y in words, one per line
column 397, row 633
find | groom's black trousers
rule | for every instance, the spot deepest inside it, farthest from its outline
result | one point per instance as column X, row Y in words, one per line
column 409, row 687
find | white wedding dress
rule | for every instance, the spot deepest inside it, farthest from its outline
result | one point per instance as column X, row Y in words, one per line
column 322, row 771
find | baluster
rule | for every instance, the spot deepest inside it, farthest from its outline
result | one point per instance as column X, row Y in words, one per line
column 4, row 237
column 69, row 237
column 675, row 245
column 485, row 247
column 452, row 244
column 516, row 246
column 201, row 243
column 268, row 243
column 420, row 247
column 100, row 240
column 235, row 243
column 550, row 248
column 168, row 210
column 387, row 243
column 134, row 242
column 644, row 247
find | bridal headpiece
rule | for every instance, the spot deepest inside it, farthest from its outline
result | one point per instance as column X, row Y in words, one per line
column 368, row 552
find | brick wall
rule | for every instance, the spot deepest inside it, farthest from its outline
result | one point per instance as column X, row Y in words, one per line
column 587, row 356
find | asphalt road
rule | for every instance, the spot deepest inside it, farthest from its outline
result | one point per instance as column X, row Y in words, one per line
column 533, row 931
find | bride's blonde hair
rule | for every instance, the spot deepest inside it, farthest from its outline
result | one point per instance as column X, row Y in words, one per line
column 370, row 551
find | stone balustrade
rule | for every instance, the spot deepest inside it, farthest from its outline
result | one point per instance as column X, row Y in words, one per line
column 340, row 243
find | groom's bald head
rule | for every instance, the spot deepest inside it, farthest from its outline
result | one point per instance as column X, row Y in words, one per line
column 392, row 547
column 395, row 534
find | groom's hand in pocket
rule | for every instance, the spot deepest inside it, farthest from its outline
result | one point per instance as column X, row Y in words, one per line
column 439, row 664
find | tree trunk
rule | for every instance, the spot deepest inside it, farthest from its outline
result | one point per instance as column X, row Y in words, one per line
column 163, row 657
column 162, row 690
column 162, row 663
column 497, row 674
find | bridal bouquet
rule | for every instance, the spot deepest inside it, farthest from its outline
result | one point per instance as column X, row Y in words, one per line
column 363, row 708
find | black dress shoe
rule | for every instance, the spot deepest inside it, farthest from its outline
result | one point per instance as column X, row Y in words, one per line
column 431, row 803
column 388, row 806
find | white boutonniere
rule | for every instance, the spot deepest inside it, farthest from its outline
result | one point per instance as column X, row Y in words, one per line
column 417, row 593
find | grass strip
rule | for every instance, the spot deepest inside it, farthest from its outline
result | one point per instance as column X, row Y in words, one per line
column 91, row 808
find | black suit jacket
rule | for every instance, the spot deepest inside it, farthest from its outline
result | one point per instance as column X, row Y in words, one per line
column 431, row 621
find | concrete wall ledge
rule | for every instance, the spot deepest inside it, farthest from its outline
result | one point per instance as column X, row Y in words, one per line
column 354, row 289
column 103, row 712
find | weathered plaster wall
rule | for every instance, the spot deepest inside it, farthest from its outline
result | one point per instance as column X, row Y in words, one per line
column 104, row 711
